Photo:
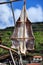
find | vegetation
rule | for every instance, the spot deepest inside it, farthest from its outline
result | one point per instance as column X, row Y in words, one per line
column 39, row 40
column 38, row 33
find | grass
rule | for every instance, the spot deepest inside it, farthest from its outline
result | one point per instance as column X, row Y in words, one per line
column 6, row 34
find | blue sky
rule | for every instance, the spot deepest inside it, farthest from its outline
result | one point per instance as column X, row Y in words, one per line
column 34, row 10
column 29, row 3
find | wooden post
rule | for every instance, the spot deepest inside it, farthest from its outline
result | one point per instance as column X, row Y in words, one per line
column 7, row 48
column 12, row 57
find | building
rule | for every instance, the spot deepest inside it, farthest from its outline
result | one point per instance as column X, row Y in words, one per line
column 37, row 58
column 23, row 34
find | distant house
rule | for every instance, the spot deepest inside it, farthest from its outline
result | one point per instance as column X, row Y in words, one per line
column 37, row 58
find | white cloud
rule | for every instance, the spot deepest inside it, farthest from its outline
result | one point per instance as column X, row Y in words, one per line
column 3, row 0
column 34, row 14
column 17, row 13
column 6, row 16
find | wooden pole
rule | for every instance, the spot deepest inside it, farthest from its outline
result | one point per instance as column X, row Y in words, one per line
column 7, row 48
column 24, row 38
column 12, row 57
column 9, row 2
column 12, row 12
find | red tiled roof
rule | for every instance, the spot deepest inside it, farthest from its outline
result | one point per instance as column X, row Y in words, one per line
column 37, row 56
column 34, row 64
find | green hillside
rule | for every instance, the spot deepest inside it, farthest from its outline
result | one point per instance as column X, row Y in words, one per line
column 38, row 34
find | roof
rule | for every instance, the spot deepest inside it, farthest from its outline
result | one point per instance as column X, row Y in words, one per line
column 37, row 56
column 34, row 64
